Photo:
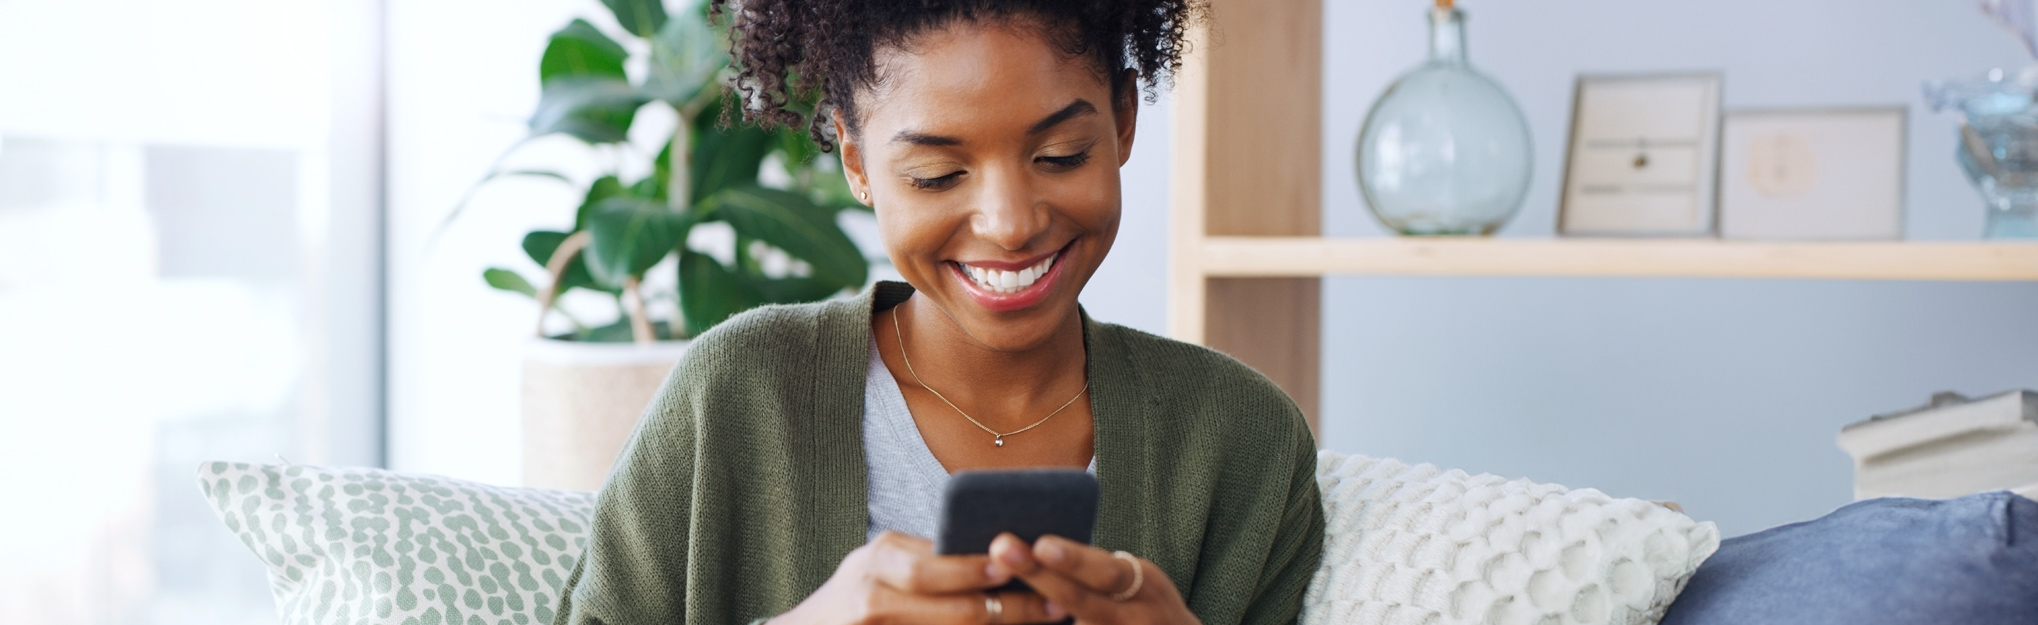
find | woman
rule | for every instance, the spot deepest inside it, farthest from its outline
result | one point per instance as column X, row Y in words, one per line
column 792, row 467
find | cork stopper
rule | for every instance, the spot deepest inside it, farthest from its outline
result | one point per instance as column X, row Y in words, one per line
column 1445, row 4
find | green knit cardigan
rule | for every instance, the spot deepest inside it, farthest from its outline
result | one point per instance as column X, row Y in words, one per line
column 744, row 485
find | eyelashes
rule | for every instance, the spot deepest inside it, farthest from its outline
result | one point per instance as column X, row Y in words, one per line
column 1065, row 163
column 1054, row 164
column 935, row 184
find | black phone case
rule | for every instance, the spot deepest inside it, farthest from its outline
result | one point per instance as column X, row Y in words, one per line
column 980, row 505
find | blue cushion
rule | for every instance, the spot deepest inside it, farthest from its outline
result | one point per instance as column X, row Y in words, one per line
column 1972, row 560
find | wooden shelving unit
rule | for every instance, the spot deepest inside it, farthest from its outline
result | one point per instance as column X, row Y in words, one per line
column 1247, row 258
column 1264, row 257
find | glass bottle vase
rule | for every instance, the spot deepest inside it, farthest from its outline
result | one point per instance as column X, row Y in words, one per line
column 1997, row 145
column 1445, row 151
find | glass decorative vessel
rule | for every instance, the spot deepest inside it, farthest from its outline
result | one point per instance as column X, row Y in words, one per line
column 1445, row 151
column 1998, row 145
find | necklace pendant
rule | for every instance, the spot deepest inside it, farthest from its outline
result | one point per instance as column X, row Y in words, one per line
column 999, row 441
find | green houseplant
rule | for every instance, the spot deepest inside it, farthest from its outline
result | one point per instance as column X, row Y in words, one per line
column 583, row 390
column 710, row 170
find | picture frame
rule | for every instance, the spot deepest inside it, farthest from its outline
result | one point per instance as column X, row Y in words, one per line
column 1643, row 156
column 1813, row 174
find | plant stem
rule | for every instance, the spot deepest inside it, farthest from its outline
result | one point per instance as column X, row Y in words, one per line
column 633, row 303
column 562, row 257
column 678, row 190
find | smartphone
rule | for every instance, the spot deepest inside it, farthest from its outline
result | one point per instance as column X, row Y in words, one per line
column 980, row 505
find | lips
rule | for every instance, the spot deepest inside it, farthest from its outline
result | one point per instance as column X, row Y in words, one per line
column 1007, row 282
column 1009, row 286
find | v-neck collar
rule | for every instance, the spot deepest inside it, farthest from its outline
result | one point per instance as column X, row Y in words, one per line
column 1119, row 420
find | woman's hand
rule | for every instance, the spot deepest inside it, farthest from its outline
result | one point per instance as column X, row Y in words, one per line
column 1089, row 583
column 897, row 580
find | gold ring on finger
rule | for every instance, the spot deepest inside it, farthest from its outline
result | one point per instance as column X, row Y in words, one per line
column 994, row 608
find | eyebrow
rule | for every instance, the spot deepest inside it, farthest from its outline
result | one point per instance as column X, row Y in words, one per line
column 1075, row 109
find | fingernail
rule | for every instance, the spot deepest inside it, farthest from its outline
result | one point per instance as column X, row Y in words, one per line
column 1049, row 551
column 1013, row 557
column 995, row 573
column 1054, row 611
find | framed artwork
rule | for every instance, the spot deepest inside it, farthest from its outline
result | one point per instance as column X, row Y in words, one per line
column 1643, row 156
column 1813, row 174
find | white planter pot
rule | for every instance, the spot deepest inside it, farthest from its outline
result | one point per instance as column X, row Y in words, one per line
column 581, row 401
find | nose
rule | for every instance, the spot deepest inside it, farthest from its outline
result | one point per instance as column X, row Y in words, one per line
column 1009, row 212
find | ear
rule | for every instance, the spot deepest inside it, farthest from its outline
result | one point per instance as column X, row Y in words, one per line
column 852, row 161
column 1126, row 113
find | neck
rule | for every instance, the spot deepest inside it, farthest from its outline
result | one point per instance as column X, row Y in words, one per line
column 1002, row 388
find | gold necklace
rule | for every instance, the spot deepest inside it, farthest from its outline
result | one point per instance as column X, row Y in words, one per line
column 997, row 438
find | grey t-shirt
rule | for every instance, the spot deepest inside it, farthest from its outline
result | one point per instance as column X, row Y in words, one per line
column 905, row 480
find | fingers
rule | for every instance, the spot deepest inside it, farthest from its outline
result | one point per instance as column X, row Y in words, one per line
column 1063, row 593
column 1019, row 607
column 1094, row 568
column 1059, row 589
column 908, row 563
column 1002, row 608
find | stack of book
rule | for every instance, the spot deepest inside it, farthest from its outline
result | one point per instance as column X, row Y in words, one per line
column 1951, row 447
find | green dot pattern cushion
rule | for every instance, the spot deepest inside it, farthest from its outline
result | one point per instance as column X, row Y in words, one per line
column 368, row 546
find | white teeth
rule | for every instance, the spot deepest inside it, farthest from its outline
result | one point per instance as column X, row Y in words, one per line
column 1000, row 281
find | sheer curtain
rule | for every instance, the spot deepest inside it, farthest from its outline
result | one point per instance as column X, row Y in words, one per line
column 189, row 270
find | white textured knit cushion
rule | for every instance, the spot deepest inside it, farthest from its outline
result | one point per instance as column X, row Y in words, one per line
column 378, row 547
column 1419, row 545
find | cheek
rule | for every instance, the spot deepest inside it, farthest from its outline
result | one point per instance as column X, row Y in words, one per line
column 912, row 232
column 1091, row 199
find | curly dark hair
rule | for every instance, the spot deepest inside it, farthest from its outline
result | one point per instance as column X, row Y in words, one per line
column 790, row 53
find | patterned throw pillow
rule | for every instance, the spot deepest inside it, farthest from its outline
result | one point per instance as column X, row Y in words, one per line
column 378, row 547
column 1419, row 545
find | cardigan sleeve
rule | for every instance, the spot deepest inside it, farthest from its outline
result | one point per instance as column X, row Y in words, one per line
column 635, row 567
column 1297, row 549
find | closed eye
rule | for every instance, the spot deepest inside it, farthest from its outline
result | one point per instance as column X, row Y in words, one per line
column 1064, row 163
column 936, row 183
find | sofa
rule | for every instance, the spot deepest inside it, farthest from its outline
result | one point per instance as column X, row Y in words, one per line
column 1404, row 544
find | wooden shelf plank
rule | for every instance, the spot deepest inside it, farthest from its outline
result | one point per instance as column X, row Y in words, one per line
column 1679, row 258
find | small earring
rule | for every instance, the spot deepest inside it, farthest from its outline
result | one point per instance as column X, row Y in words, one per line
column 863, row 195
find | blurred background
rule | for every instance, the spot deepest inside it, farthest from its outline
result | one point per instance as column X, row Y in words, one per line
column 221, row 238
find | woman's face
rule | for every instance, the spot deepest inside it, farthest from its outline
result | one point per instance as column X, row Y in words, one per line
column 992, row 159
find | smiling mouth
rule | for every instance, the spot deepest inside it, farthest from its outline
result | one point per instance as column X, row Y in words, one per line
column 1006, row 282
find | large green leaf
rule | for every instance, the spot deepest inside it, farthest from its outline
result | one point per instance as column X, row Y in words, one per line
column 709, row 293
column 592, row 109
column 641, row 17
column 798, row 149
column 618, row 332
column 661, row 167
column 793, row 223
column 686, row 56
column 725, row 157
column 507, row 280
column 581, row 51
column 650, row 188
column 630, row 235
column 791, row 290
column 603, row 188
column 540, row 245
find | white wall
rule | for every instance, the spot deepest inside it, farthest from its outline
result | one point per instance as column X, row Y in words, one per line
column 463, row 77
column 1723, row 395
column 1131, row 288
